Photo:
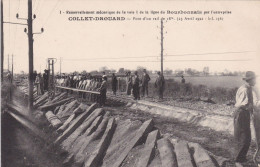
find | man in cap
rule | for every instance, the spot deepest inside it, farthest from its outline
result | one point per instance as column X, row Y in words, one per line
column 145, row 79
column 46, row 79
column 246, row 100
column 182, row 79
column 103, row 91
column 136, row 83
column 129, row 83
column 114, row 83
column 160, row 85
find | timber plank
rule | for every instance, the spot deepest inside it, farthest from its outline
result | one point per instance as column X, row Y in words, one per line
column 81, row 108
column 146, row 127
column 96, row 157
column 68, row 110
column 59, row 97
column 76, row 123
column 183, row 154
column 78, row 149
column 53, row 105
column 149, row 150
column 167, row 156
column 201, row 157
column 53, row 119
column 125, row 130
column 42, row 98
column 94, row 118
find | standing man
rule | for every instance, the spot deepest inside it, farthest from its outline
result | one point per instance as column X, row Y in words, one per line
column 114, row 83
column 136, row 83
column 103, row 91
column 246, row 100
column 129, row 83
column 34, row 76
column 144, row 81
column 160, row 85
column 45, row 79
column 182, row 79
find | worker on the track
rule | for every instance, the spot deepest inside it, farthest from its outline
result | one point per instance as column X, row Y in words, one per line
column 114, row 83
column 246, row 100
column 144, row 81
column 160, row 85
column 103, row 91
column 136, row 87
column 129, row 83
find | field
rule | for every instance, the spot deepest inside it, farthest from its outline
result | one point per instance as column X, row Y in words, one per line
column 210, row 81
column 220, row 89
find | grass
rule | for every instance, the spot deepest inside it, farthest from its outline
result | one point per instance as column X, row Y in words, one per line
column 216, row 89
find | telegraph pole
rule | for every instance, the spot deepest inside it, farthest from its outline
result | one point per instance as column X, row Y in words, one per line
column 162, row 46
column 30, row 42
column 2, row 43
column 8, row 63
column 60, row 66
column 12, row 68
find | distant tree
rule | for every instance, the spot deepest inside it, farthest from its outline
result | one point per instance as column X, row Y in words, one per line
column 206, row 71
column 104, row 68
column 168, row 71
column 84, row 72
column 140, row 69
column 190, row 71
column 94, row 72
column 113, row 71
column 179, row 72
column 121, row 70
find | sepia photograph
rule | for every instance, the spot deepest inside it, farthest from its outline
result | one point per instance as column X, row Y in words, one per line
column 130, row 83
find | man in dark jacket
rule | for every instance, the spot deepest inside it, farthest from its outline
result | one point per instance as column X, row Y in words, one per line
column 103, row 91
column 129, row 83
column 144, row 81
column 46, row 79
column 160, row 85
column 114, row 83
column 34, row 76
column 136, row 83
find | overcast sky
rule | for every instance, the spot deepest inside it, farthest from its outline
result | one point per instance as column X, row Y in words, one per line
column 107, row 43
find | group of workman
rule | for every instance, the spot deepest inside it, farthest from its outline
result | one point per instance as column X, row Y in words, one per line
column 86, row 82
column 134, row 84
column 41, row 81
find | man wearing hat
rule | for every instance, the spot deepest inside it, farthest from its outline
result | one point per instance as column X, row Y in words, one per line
column 144, row 82
column 246, row 100
column 182, row 79
column 103, row 91
column 45, row 79
column 160, row 85
column 136, row 83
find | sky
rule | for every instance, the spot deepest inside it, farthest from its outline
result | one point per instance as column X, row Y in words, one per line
column 90, row 45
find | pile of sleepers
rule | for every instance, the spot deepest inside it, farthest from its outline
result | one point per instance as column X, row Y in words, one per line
column 91, row 137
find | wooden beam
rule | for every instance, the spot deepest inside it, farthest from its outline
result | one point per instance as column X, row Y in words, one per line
column 96, row 156
column 167, row 155
column 183, row 154
column 76, row 124
column 149, row 149
column 78, row 90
